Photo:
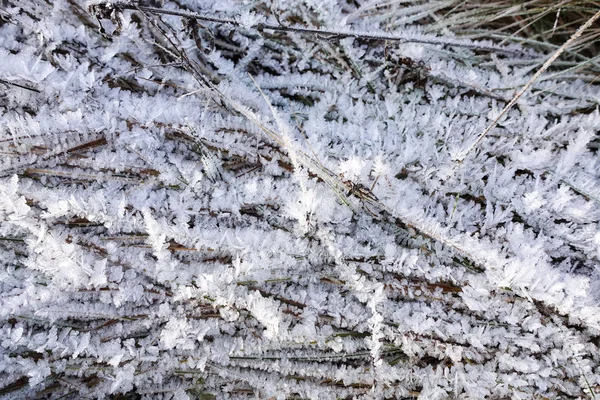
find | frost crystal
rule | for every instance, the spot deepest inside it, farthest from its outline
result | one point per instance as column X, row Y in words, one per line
column 262, row 200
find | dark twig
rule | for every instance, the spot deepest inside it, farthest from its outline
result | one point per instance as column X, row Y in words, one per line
column 327, row 34
column 20, row 86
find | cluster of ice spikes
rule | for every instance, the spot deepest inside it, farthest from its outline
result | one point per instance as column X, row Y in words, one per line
column 261, row 199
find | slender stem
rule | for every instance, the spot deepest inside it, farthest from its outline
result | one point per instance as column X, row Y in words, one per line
column 20, row 86
column 327, row 34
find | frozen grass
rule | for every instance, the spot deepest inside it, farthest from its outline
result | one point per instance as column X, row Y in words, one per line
column 219, row 200
column 549, row 23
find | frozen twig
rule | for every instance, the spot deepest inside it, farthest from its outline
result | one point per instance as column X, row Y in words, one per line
column 325, row 34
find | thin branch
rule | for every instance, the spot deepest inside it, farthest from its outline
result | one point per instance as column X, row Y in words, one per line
column 329, row 34
column 20, row 86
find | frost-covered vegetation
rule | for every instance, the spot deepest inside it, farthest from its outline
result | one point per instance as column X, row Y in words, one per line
column 215, row 205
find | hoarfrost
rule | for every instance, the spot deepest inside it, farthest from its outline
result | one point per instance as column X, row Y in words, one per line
column 266, row 202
